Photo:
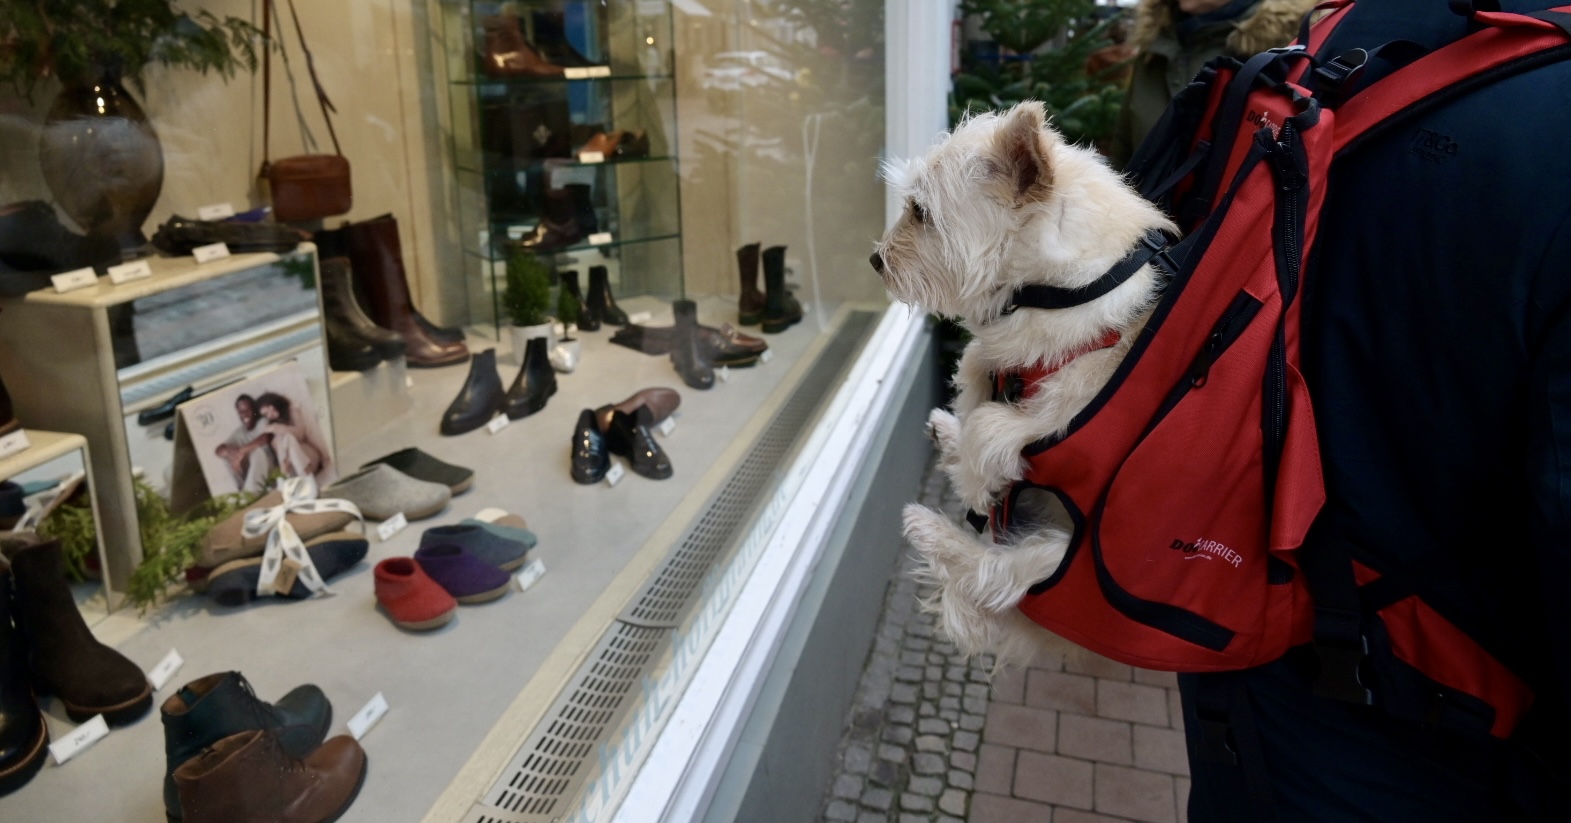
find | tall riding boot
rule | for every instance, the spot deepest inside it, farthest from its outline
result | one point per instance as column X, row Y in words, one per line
column 781, row 310
column 338, row 300
column 601, row 302
column 588, row 318
column 66, row 660
column 332, row 243
column 211, row 708
column 479, row 399
column 24, row 737
column 687, row 353
column 535, row 382
column 750, row 306
column 378, row 260
column 249, row 778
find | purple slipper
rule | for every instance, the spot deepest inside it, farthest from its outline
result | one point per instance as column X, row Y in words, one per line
column 466, row 577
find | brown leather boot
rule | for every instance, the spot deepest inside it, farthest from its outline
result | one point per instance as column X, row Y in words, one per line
column 248, row 778
column 750, row 308
column 508, row 54
column 781, row 308
column 378, row 261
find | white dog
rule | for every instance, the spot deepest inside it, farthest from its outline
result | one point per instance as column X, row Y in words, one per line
column 1000, row 203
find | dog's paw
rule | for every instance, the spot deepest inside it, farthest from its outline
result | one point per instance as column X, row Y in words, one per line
column 944, row 430
column 989, row 455
column 924, row 528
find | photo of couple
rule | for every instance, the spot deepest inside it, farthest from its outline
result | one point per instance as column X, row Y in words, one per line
column 256, row 429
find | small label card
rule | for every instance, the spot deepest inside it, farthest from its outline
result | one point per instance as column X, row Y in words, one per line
column 577, row 73
column 80, row 738
column 391, row 526
column 217, row 211
column 490, row 515
column 600, row 238
column 211, row 252
column 288, row 571
column 666, row 426
column 640, row 317
column 591, row 157
column 765, row 356
column 126, row 272
column 367, row 717
column 531, row 572
column 724, row 373
column 516, row 232
column 498, row 423
column 73, row 280
column 14, row 442
column 614, row 476
column 166, row 668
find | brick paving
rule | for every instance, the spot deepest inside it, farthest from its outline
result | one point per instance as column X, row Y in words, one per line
column 1077, row 740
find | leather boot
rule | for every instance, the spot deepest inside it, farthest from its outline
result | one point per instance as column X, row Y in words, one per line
column 601, row 302
column 331, row 243
column 338, row 300
column 249, row 778
column 588, row 318
column 750, row 306
column 661, row 402
column 66, row 660
column 214, row 707
column 508, row 54
column 347, row 351
column 377, row 259
column 687, row 348
column 24, row 737
column 535, row 382
column 781, row 310
column 479, row 399
column 8, row 421
column 590, row 460
column 629, row 436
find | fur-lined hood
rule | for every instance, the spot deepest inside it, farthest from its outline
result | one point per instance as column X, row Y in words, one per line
column 1270, row 24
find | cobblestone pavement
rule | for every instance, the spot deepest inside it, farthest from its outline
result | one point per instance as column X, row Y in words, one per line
column 1082, row 740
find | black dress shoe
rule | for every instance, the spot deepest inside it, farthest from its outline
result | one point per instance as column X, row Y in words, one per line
column 179, row 235
column 590, row 458
column 165, row 410
column 588, row 318
column 535, row 382
column 480, row 398
column 600, row 301
column 686, row 348
column 630, row 437
column 34, row 245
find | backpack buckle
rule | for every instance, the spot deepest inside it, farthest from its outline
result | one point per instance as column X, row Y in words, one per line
column 1344, row 67
column 1339, row 677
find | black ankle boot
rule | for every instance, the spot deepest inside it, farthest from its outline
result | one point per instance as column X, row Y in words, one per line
column 66, row 660
column 590, row 460
column 687, row 353
column 630, row 437
column 211, row 708
column 588, row 318
column 480, row 398
column 781, row 310
column 600, row 300
column 535, row 382
column 339, row 301
column 24, row 737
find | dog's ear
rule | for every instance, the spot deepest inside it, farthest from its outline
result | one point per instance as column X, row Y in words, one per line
column 1022, row 151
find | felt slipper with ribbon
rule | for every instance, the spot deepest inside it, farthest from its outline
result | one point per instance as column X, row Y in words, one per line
column 285, row 559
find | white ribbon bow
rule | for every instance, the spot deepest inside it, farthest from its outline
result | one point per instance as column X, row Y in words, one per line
column 282, row 539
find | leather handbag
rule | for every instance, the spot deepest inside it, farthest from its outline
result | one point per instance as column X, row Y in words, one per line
column 305, row 186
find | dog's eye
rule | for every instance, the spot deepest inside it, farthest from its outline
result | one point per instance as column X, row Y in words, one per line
column 918, row 213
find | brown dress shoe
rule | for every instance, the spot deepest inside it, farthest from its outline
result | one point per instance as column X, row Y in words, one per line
column 508, row 54
column 742, row 341
column 248, row 778
column 603, row 143
column 661, row 403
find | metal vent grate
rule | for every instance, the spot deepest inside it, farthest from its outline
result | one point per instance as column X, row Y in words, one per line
column 558, row 756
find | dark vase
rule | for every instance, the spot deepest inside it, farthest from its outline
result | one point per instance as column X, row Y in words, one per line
column 102, row 160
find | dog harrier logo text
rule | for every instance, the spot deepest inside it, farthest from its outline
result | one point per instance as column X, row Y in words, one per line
column 1207, row 550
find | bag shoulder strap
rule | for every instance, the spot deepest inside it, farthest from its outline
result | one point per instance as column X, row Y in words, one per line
column 267, row 80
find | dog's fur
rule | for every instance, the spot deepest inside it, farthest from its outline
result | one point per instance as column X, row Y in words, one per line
column 1000, row 203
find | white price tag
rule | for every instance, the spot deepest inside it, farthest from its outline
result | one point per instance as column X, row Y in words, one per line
column 600, row 238
column 591, row 157
column 724, row 373
column 165, row 669
column 614, row 476
column 14, row 442
column 666, row 426
column 73, row 280
column 516, row 232
column 126, row 272
column 531, row 572
column 391, row 526
column 599, row 71
column 367, row 717
column 80, row 738
column 765, row 356
column 577, row 73
column 640, row 317
column 211, row 252
column 217, row 211
column 490, row 515
column 498, row 423
column 409, row 382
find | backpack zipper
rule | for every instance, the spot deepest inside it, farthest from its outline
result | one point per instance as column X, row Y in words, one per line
column 1289, row 233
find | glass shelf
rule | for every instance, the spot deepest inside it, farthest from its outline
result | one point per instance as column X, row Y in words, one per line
column 536, row 81
column 635, row 241
column 566, row 162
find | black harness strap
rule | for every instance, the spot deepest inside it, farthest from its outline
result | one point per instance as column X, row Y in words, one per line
column 1153, row 247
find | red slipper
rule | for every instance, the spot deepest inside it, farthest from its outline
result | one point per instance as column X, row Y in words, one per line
column 412, row 599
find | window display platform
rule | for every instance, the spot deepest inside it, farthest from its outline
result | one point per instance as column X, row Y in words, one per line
column 448, row 689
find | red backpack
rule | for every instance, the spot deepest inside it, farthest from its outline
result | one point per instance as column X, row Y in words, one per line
column 1193, row 478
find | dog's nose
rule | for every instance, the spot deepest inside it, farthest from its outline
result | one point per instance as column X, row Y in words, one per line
column 877, row 261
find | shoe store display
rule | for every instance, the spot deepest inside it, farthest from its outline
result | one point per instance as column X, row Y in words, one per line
column 508, row 54
column 34, row 245
column 225, row 542
column 234, row 583
column 750, row 305
column 549, row 235
column 661, row 402
column 340, row 303
column 508, row 526
column 381, row 491
column 629, row 436
column 467, row 578
column 591, row 458
column 410, row 597
column 24, row 736
column 686, row 350
column 536, row 381
column 209, row 709
column 488, row 546
column 479, row 399
column 377, row 259
column 249, row 778
column 781, row 309
column 422, row 466
column 588, row 319
column 179, row 235
column 602, row 304
column 65, row 659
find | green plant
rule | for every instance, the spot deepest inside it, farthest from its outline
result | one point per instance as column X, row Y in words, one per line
column 76, row 40
column 170, row 542
column 566, row 311
column 528, row 293
column 73, row 526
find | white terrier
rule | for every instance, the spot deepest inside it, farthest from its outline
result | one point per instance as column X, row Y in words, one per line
column 1001, row 203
